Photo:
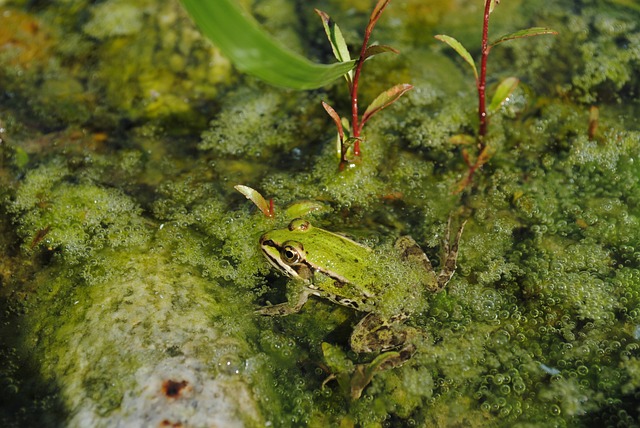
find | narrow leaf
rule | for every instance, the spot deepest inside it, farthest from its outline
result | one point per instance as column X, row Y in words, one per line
column 529, row 32
column 255, row 197
column 503, row 91
column 302, row 208
column 377, row 10
column 457, row 46
column 338, row 45
column 238, row 35
column 336, row 118
column 336, row 40
column 384, row 99
column 376, row 50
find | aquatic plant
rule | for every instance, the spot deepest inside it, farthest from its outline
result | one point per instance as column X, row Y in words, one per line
column 502, row 93
column 351, row 138
column 255, row 52
column 267, row 208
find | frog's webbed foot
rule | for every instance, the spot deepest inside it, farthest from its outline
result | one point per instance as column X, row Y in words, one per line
column 286, row 308
column 450, row 256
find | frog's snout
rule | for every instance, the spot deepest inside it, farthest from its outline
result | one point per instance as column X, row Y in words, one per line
column 264, row 240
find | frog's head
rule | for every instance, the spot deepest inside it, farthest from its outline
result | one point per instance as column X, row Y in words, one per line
column 285, row 251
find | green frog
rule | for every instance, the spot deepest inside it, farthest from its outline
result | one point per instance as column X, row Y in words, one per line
column 385, row 285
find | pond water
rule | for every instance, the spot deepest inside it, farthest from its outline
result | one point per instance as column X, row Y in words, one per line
column 130, row 268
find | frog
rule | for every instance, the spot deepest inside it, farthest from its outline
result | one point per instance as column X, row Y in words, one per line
column 336, row 268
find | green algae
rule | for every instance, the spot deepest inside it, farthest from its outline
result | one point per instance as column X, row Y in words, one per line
column 129, row 260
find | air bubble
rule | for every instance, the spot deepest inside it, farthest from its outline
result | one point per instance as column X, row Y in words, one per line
column 519, row 387
column 504, row 412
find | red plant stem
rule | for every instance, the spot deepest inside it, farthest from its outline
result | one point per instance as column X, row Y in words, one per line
column 482, row 80
column 354, row 109
column 355, row 123
column 356, row 126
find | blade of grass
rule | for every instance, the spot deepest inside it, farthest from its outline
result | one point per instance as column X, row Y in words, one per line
column 255, row 52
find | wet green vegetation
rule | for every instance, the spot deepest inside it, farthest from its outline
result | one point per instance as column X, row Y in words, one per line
column 129, row 259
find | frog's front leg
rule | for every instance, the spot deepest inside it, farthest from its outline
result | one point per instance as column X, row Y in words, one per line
column 286, row 308
column 376, row 334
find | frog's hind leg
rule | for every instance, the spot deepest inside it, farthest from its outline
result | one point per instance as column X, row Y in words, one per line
column 376, row 334
column 450, row 256
column 409, row 250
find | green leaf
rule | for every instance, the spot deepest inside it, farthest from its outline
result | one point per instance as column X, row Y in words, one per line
column 338, row 45
column 384, row 99
column 336, row 40
column 529, row 32
column 503, row 91
column 376, row 50
column 255, row 197
column 255, row 52
column 457, row 46
column 302, row 208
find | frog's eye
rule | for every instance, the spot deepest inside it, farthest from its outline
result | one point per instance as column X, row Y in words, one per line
column 291, row 253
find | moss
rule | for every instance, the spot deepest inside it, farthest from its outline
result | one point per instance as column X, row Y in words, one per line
column 268, row 125
column 114, row 18
column 75, row 219
column 90, row 77
column 100, row 378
